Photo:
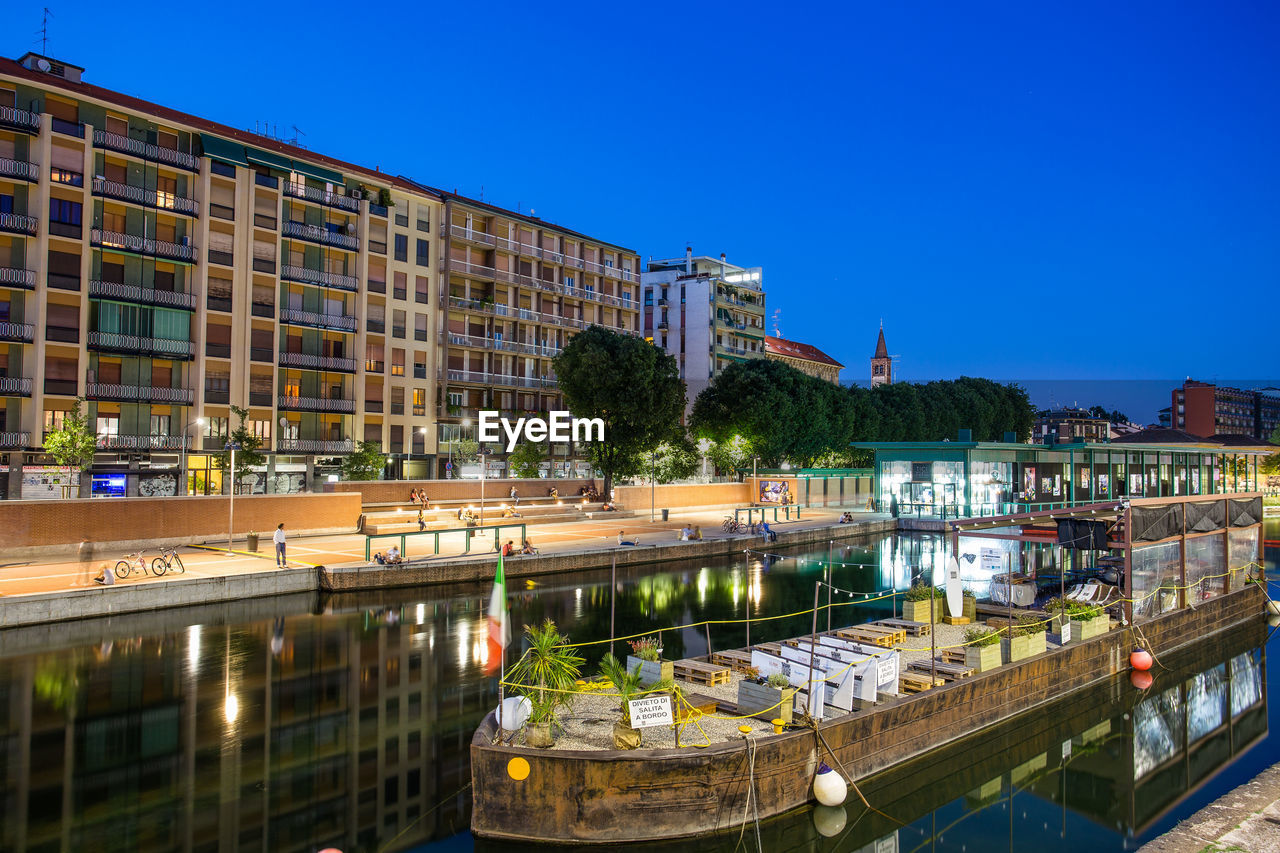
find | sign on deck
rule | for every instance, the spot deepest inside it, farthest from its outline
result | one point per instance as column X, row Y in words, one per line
column 650, row 711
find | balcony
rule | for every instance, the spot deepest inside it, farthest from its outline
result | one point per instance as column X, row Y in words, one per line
column 308, row 361
column 340, row 322
column 318, row 404
column 324, row 236
column 476, row 377
column 144, row 442
column 19, row 169
column 17, row 277
column 328, row 199
column 14, row 440
column 17, row 223
column 15, row 386
column 69, row 128
column 168, row 348
column 147, row 198
column 289, row 272
column 315, row 445
column 62, row 334
column 21, row 119
column 61, row 387
column 141, row 295
column 142, row 245
column 146, row 150
column 19, row 333
column 139, row 393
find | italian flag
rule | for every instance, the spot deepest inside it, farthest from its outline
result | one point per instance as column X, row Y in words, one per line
column 499, row 627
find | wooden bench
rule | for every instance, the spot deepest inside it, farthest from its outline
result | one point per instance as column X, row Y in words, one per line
column 706, row 673
column 915, row 629
column 733, row 658
column 704, row 704
column 949, row 671
column 864, row 635
column 771, row 648
column 912, row 682
column 951, row 655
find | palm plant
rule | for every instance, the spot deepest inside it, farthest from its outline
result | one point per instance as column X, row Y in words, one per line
column 546, row 673
column 627, row 683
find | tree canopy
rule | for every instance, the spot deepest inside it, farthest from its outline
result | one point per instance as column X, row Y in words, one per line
column 632, row 386
column 526, row 460
column 72, row 444
column 247, row 455
column 367, row 462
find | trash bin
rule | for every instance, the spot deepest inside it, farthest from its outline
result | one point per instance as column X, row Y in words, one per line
column 665, row 514
column 252, row 541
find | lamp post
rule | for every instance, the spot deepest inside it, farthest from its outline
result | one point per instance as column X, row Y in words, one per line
column 422, row 431
column 483, row 464
column 183, row 467
column 231, row 495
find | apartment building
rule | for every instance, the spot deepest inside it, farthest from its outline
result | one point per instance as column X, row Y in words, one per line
column 167, row 268
column 1068, row 424
column 706, row 312
column 803, row 357
column 1206, row 409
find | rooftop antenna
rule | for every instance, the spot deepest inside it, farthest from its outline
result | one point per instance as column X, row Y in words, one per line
column 482, row 192
column 777, row 318
column 296, row 133
column 44, row 31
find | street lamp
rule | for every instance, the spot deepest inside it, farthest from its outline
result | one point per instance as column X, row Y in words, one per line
column 233, row 446
column 183, row 468
column 422, row 431
column 457, row 429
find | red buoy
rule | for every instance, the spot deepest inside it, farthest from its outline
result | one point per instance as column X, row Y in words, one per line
column 1141, row 680
column 1140, row 660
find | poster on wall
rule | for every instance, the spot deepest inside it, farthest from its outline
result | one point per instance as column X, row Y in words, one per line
column 1057, row 485
column 47, row 482
column 1029, row 483
column 1135, row 484
column 921, row 472
column 1084, row 479
column 775, row 492
column 1103, row 485
column 992, row 559
column 1046, row 486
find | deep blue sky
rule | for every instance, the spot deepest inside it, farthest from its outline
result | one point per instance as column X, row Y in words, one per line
column 1065, row 190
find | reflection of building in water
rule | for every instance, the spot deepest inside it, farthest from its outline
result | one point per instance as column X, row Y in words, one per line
column 205, row 739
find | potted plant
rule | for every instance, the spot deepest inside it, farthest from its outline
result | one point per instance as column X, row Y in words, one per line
column 252, row 540
column 546, row 674
column 916, row 601
column 1087, row 620
column 647, row 654
column 982, row 648
column 1027, row 638
column 970, row 610
column 384, row 197
column 627, row 683
column 772, row 700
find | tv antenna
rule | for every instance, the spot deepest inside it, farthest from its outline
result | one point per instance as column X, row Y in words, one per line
column 44, row 31
column 777, row 318
column 296, row 133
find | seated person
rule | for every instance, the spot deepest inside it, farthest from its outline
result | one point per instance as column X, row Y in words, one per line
column 423, row 499
column 769, row 535
column 528, row 548
column 696, row 536
column 462, row 510
column 685, row 533
column 508, row 548
column 510, row 512
column 609, row 507
column 622, row 541
column 108, row 576
column 393, row 556
column 413, row 496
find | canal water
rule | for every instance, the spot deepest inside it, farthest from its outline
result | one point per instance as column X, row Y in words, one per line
column 299, row 723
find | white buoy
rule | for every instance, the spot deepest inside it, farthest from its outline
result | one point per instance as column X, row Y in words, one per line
column 513, row 712
column 1273, row 607
column 829, row 787
column 829, row 820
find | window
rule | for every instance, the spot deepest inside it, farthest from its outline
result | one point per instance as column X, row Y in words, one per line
column 215, row 427
column 424, row 217
column 419, row 401
column 569, row 280
column 402, row 247
column 424, row 253
column 261, row 429
column 648, row 298
column 397, row 403
column 397, row 323
column 419, row 327
column 397, row 362
column 421, row 285
column 419, row 365
column 66, row 212
column 108, row 425
column 159, row 424
column 455, row 398
column 54, row 419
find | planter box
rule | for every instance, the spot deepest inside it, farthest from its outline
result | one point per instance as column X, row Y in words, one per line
column 651, row 671
column 1025, row 646
column 764, row 702
column 918, row 611
column 970, row 610
column 1091, row 628
column 982, row 658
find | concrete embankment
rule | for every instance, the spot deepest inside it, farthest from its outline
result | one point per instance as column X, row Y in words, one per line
column 1247, row 819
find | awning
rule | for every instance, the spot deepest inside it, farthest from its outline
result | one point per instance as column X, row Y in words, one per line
column 266, row 158
column 221, row 149
column 318, row 172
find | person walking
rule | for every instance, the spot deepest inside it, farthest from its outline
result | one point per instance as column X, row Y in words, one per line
column 515, row 497
column 85, row 558
column 422, row 522
column 278, row 538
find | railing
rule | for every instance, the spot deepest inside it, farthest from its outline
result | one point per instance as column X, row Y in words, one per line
column 165, row 347
column 145, row 197
column 144, row 393
column 141, row 295
column 20, row 169
column 70, row 128
column 19, row 332
column 345, row 322
column 144, row 442
column 314, row 445
column 15, row 439
column 19, row 385
column 321, row 235
column 142, row 245
column 17, row 277
column 318, row 404
column 306, row 193
column 145, row 150
column 500, row 379
column 317, row 362
column 20, row 118
column 323, row 279
column 18, row 223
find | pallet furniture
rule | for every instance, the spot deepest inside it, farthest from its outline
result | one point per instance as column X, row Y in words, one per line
column 949, row 671
column 915, row 629
column 917, row 682
column 885, row 637
column 703, row 704
column 705, row 673
column 738, row 659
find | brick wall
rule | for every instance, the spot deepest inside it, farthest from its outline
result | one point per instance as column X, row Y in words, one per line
column 397, row 491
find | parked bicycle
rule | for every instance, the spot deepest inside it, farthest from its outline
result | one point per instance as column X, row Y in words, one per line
column 167, row 561
column 136, row 561
column 732, row 525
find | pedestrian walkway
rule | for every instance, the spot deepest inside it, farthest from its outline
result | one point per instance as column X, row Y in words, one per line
column 1245, row 819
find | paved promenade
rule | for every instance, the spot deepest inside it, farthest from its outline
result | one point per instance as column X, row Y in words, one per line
column 1246, row 819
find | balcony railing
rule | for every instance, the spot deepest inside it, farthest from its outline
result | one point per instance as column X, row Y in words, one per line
column 144, row 442
column 314, row 445
column 17, row 332
column 289, row 272
column 22, row 119
column 145, row 150
column 142, row 393
column 318, row 404
column 15, row 386
column 20, row 169
column 142, row 245
column 317, row 362
column 161, row 347
column 343, row 322
column 142, row 295
column 17, row 277
column 316, row 234
column 500, row 379
column 147, row 198
column 328, row 199
column 15, row 439
column 17, row 223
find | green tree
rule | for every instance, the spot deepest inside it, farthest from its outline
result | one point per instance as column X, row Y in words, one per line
column 366, row 462
column 73, row 444
column 755, row 400
column 1271, row 464
column 731, row 454
column 675, row 459
column 465, row 450
column 247, row 455
column 526, row 459
column 632, row 386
